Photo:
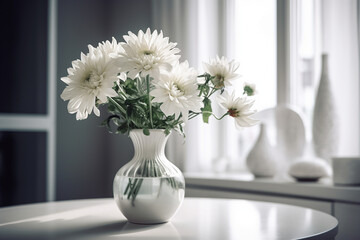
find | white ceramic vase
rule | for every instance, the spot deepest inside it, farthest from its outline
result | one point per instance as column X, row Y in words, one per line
column 325, row 119
column 261, row 159
column 149, row 189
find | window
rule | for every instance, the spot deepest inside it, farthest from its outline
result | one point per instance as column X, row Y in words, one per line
column 27, row 110
column 238, row 30
column 279, row 45
column 329, row 27
column 254, row 45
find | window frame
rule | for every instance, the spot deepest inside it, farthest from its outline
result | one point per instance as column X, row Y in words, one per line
column 42, row 122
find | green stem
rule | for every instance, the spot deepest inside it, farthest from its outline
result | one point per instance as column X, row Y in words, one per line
column 132, row 189
column 212, row 92
column 139, row 85
column 196, row 114
column 137, row 188
column 122, row 93
column 225, row 114
column 127, row 187
column 193, row 115
column 149, row 99
column 121, row 109
column 201, row 90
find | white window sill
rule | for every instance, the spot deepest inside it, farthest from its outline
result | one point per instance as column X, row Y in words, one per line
column 244, row 182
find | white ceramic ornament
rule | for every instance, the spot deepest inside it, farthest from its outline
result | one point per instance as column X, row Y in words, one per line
column 286, row 131
column 325, row 119
column 309, row 169
column 261, row 160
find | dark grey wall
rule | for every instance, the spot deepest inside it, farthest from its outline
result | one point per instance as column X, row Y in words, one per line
column 87, row 155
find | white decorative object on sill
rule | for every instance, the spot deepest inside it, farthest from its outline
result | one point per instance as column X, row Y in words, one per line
column 261, row 159
column 346, row 170
column 286, row 131
column 309, row 169
column 325, row 119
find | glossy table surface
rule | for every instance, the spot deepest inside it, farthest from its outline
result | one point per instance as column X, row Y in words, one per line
column 197, row 218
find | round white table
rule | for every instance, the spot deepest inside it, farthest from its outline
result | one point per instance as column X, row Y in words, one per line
column 197, row 218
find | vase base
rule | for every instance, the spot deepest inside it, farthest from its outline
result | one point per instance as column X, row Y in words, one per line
column 147, row 223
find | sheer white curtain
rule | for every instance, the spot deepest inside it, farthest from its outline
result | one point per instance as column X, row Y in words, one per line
column 204, row 29
column 340, row 40
column 197, row 27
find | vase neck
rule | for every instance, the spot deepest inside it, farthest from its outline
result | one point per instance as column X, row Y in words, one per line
column 149, row 147
column 324, row 64
column 149, row 159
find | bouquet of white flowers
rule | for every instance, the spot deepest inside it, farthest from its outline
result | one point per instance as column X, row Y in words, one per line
column 146, row 87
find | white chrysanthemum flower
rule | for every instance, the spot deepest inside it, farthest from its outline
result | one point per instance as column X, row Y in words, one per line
column 223, row 71
column 249, row 89
column 238, row 108
column 108, row 49
column 90, row 79
column 178, row 92
column 147, row 53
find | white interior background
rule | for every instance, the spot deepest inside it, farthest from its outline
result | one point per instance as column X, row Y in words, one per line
column 277, row 42
column 246, row 30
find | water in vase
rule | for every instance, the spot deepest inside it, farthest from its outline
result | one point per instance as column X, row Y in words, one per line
column 151, row 198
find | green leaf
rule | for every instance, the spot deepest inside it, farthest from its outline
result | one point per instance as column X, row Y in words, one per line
column 122, row 128
column 111, row 108
column 146, row 131
column 129, row 110
column 167, row 131
column 206, row 110
column 116, row 104
column 130, row 87
column 248, row 90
